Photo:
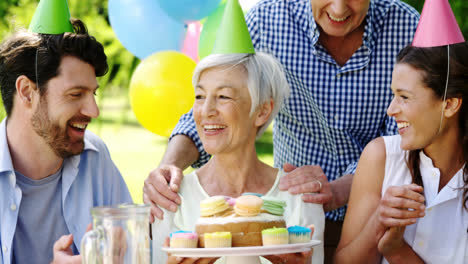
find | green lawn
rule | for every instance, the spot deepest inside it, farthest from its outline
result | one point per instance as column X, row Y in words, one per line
column 135, row 150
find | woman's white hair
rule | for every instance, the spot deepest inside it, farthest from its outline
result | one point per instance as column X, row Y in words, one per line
column 265, row 81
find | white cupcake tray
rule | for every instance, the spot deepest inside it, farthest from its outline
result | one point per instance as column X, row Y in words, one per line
column 248, row 255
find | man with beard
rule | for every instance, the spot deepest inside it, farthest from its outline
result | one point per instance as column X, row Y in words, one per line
column 52, row 171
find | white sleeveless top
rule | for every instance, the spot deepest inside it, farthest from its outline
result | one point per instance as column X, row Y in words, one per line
column 441, row 236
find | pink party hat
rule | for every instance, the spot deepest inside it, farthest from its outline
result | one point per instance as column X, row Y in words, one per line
column 437, row 25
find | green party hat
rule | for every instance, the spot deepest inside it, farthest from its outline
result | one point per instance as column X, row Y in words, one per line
column 51, row 17
column 233, row 35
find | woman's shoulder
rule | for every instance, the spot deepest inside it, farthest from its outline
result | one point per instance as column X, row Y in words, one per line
column 379, row 149
column 392, row 144
column 374, row 151
column 395, row 156
column 370, row 170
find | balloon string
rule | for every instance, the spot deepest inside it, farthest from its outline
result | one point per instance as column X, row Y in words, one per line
column 446, row 85
column 35, row 69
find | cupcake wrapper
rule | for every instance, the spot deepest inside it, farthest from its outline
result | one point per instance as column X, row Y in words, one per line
column 183, row 243
column 275, row 239
column 299, row 238
column 218, row 242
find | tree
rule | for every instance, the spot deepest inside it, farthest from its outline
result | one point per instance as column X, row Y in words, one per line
column 460, row 10
column 15, row 14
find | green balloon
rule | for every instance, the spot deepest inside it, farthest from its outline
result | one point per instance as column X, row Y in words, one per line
column 209, row 31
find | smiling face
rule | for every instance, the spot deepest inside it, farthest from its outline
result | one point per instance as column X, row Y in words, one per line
column 67, row 107
column 222, row 110
column 415, row 107
column 338, row 18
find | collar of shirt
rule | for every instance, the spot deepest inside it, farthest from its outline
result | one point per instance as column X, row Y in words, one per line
column 431, row 179
column 373, row 24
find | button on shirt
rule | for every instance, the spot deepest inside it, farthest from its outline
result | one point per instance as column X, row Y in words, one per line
column 333, row 111
column 89, row 179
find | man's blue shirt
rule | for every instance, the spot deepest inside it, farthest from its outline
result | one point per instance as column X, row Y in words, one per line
column 89, row 179
column 333, row 111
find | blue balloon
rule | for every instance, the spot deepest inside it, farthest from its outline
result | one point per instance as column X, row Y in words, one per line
column 188, row 10
column 143, row 28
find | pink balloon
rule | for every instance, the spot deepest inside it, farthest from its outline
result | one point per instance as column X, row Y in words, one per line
column 190, row 46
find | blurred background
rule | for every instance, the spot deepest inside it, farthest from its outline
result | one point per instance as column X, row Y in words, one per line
column 131, row 31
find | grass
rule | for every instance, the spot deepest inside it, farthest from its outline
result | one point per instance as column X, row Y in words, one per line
column 135, row 150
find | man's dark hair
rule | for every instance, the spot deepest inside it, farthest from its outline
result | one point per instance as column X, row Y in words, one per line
column 24, row 51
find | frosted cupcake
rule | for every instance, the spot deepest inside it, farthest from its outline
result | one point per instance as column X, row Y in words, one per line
column 183, row 239
column 275, row 236
column 218, row 239
column 299, row 234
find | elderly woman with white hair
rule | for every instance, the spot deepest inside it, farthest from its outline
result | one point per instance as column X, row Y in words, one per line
column 236, row 98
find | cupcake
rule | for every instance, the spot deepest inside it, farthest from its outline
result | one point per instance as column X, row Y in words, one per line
column 275, row 236
column 299, row 234
column 218, row 239
column 184, row 239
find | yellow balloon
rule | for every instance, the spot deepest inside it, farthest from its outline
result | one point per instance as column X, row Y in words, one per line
column 161, row 90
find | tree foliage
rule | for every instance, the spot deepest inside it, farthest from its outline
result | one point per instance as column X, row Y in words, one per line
column 16, row 14
column 460, row 10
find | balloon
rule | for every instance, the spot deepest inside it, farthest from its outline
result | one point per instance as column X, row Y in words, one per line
column 161, row 90
column 188, row 10
column 143, row 28
column 209, row 30
column 190, row 47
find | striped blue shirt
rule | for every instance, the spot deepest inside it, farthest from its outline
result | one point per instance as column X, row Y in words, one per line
column 333, row 111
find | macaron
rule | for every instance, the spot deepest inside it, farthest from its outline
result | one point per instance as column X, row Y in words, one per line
column 273, row 205
column 230, row 200
column 275, row 236
column 183, row 239
column 299, row 234
column 248, row 205
column 213, row 205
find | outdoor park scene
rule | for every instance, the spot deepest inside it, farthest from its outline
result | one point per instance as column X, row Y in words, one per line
column 131, row 31
column 139, row 30
column 322, row 131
